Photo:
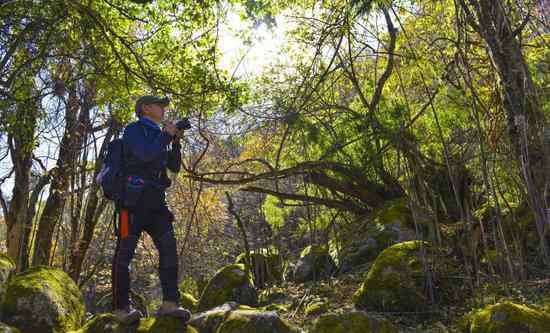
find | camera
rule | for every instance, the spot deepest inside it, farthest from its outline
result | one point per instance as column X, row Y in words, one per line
column 183, row 124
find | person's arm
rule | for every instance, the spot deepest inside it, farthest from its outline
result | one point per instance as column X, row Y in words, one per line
column 142, row 147
column 174, row 157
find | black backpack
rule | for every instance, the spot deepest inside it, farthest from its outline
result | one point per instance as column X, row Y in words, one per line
column 111, row 177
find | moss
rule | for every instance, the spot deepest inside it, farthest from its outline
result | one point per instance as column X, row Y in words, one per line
column 7, row 267
column 8, row 329
column 105, row 323
column 394, row 211
column 251, row 321
column 394, row 281
column 231, row 283
column 507, row 317
column 352, row 322
column 188, row 301
column 43, row 299
column 280, row 308
column 316, row 307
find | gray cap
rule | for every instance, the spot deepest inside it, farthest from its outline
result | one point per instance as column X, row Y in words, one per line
column 148, row 99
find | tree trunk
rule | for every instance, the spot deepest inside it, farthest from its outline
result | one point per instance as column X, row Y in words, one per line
column 523, row 113
column 53, row 209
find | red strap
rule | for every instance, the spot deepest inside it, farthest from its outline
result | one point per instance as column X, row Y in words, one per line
column 123, row 223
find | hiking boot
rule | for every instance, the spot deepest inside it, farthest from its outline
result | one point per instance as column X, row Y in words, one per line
column 173, row 310
column 127, row 315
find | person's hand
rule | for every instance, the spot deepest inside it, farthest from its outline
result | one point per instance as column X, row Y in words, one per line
column 170, row 128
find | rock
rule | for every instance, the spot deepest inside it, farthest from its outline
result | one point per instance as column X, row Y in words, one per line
column 395, row 280
column 387, row 225
column 188, row 301
column 105, row 323
column 209, row 321
column 266, row 266
column 233, row 318
column 507, row 317
column 8, row 329
column 43, row 299
column 352, row 322
column 231, row 283
column 7, row 267
column 253, row 321
column 316, row 307
column 315, row 262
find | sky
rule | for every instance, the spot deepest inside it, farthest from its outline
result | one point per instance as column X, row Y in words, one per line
column 242, row 60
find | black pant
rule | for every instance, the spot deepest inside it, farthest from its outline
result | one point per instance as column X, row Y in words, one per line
column 152, row 215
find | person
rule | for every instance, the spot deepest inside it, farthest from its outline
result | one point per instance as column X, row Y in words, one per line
column 146, row 156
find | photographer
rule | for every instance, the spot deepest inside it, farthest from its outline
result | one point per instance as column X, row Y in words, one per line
column 146, row 157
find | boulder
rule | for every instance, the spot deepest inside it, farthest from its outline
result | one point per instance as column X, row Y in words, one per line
column 234, row 318
column 7, row 267
column 8, row 329
column 231, row 283
column 105, row 323
column 315, row 262
column 507, row 317
column 395, row 280
column 266, row 266
column 43, row 299
column 352, row 322
column 389, row 224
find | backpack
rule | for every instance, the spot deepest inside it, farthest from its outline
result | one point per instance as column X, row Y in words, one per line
column 111, row 177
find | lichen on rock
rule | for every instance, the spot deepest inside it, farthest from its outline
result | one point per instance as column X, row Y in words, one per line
column 230, row 283
column 352, row 322
column 507, row 317
column 43, row 299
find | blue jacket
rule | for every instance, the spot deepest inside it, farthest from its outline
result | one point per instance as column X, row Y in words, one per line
column 146, row 152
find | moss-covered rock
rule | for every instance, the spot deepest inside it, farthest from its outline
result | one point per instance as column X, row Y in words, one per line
column 7, row 267
column 352, row 322
column 8, row 329
column 105, row 323
column 266, row 266
column 507, row 317
column 43, row 299
column 209, row 321
column 315, row 262
column 231, row 283
column 232, row 318
column 316, row 307
column 253, row 321
column 395, row 280
column 188, row 301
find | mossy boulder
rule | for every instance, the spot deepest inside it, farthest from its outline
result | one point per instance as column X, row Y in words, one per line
column 254, row 321
column 315, row 263
column 389, row 224
column 234, row 318
column 352, row 322
column 395, row 281
column 43, row 299
column 105, row 323
column 8, row 329
column 266, row 266
column 230, row 283
column 188, row 301
column 507, row 317
column 7, row 267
